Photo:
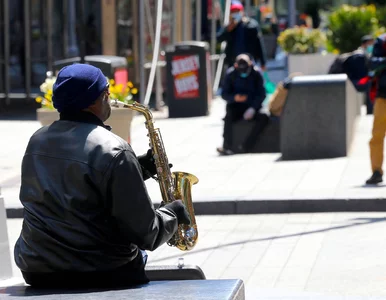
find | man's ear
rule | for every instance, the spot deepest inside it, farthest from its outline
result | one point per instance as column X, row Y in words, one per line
column 235, row 65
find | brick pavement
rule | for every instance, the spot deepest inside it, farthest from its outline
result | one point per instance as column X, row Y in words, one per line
column 286, row 256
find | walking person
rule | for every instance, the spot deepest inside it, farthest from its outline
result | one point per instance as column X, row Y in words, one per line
column 378, row 68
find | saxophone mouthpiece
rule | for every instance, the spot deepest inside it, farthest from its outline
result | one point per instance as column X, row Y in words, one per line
column 116, row 103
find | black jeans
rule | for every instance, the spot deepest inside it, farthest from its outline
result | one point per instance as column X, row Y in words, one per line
column 234, row 113
column 132, row 273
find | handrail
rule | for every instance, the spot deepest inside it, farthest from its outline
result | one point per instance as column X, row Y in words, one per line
column 220, row 64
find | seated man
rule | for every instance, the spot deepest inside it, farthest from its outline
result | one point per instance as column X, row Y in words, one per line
column 244, row 92
column 88, row 217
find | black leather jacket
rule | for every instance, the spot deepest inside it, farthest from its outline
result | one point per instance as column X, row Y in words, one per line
column 86, row 204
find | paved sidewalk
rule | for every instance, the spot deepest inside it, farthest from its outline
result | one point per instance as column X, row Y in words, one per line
column 285, row 256
column 251, row 183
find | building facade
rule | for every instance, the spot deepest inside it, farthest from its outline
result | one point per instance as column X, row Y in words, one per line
column 36, row 33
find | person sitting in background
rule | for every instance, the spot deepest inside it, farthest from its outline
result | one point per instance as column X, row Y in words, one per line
column 244, row 93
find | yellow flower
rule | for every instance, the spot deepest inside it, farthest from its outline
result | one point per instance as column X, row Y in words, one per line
column 130, row 84
column 112, row 82
column 134, row 91
column 120, row 87
column 39, row 99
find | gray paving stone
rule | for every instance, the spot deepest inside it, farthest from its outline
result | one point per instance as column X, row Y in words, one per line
column 251, row 183
column 286, row 256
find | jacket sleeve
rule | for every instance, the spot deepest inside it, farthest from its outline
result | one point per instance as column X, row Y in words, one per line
column 228, row 93
column 223, row 35
column 260, row 48
column 132, row 209
column 259, row 92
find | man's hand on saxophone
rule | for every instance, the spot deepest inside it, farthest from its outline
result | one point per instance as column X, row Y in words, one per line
column 179, row 209
column 148, row 166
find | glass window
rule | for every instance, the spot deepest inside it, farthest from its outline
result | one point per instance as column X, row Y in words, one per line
column 38, row 35
column 125, row 30
column 92, row 26
column 16, row 34
column 126, row 34
column 281, row 6
column 2, row 48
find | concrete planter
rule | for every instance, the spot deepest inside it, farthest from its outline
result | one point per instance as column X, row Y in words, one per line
column 120, row 120
column 46, row 116
column 310, row 64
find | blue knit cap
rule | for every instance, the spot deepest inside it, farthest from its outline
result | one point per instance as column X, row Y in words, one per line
column 77, row 87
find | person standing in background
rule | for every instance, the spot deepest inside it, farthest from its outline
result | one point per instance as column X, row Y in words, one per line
column 378, row 90
column 242, row 35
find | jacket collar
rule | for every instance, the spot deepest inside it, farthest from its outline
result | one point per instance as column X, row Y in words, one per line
column 83, row 117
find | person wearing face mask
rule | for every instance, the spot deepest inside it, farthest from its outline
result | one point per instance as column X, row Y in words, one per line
column 244, row 93
column 242, row 35
column 355, row 64
column 88, row 217
column 367, row 44
column 366, row 48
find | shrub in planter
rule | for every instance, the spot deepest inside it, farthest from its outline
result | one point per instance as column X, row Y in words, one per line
column 301, row 40
column 381, row 16
column 348, row 24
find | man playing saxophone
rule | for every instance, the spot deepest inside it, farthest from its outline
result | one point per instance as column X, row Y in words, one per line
column 88, row 216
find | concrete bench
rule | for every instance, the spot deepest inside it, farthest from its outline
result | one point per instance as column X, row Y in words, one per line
column 319, row 117
column 171, row 290
column 5, row 257
column 267, row 142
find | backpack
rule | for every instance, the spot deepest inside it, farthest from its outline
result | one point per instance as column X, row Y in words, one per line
column 379, row 49
column 338, row 65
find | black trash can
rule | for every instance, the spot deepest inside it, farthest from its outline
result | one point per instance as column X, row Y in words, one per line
column 189, row 84
column 114, row 67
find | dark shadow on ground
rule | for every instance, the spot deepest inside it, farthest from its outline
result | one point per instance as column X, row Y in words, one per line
column 355, row 222
column 369, row 186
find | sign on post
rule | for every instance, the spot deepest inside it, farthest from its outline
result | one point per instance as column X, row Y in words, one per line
column 189, row 84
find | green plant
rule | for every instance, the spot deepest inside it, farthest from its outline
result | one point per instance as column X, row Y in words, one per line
column 376, row 2
column 381, row 15
column 266, row 28
column 121, row 92
column 300, row 40
column 348, row 24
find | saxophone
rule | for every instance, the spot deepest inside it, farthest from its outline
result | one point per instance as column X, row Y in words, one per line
column 173, row 186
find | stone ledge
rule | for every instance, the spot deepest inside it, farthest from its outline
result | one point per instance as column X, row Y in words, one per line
column 272, row 206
